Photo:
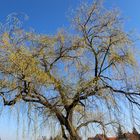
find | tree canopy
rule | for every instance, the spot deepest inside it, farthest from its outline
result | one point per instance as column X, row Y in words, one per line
column 79, row 79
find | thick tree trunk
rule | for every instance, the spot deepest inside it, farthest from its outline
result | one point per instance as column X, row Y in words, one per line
column 72, row 131
column 70, row 127
column 63, row 132
column 67, row 122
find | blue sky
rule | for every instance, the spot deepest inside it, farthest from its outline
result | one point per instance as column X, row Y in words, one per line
column 46, row 16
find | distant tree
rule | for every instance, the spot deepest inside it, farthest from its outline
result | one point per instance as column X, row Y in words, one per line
column 77, row 79
column 134, row 131
column 120, row 133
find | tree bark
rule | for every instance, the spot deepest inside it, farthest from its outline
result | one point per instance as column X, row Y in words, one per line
column 72, row 131
column 63, row 133
column 67, row 122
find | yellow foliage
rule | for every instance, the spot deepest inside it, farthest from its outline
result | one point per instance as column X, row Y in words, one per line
column 20, row 61
column 5, row 40
column 120, row 55
column 60, row 36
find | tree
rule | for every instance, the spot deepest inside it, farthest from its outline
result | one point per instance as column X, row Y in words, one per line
column 78, row 79
column 134, row 131
column 120, row 133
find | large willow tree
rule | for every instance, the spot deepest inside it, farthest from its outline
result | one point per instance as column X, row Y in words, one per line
column 78, row 79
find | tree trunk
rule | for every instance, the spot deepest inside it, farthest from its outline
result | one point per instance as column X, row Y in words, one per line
column 73, row 135
column 72, row 131
column 63, row 132
column 68, row 123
